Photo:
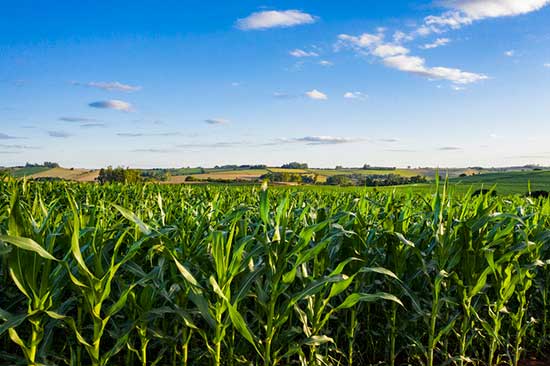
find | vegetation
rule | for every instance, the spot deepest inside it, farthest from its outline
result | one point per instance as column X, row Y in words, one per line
column 294, row 165
column 118, row 175
column 374, row 180
column 214, row 275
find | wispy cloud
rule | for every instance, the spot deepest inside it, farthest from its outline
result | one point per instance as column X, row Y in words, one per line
column 509, row 53
column 275, row 19
column 4, row 136
column 326, row 140
column 301, row 53
column 314, row 140
column 316, row 95
column 142, row 134
column 59, row 134
column 357, row 95
column 326, row 63
column 389, row 140
column 90, row 125
column 77, row 119
column 216, row 121
column 18, row 147
column 449, row 148
column 437, row 43
column 547, row 65
column 130, row 134
column 110, row 86
column 118, row 105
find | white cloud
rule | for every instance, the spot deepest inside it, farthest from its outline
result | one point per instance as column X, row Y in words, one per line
column 118, row 105
column 480, row 9
column 275, row 19
column 547, row 65
column 465, row 12
column 437, row 43
column 387, row 50
column 417, row 65
column 302, row 53
column 356, row 95
column 509, row 53
column 397, row 57
column 400, row 36
column 110, row 86
column 216, row 121
column 326, row 63
column 362, row 41
column 316, row 95
column 450, row 19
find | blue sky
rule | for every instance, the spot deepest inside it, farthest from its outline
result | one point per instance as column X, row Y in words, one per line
column 187, row 83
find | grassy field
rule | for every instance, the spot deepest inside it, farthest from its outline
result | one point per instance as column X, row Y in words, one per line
column 26, row 172
column 151, row 274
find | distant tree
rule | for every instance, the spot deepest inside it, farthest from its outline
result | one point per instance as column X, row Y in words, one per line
column 118, row 175
column 50, row 164
column 294, row 165
column 339, row 180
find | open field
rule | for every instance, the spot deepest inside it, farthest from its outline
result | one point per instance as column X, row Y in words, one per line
column 78, row 175
column 202, row 275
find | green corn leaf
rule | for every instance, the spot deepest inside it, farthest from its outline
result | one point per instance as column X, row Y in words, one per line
column 354, row 298
column 27, row 244
column 133, row 218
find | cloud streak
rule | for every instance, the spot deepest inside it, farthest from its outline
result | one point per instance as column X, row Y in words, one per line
column 114, row 104
column 301, row 53
column 357, row 95
column 216, row 121
column 109, row 86
column 437, row 43
column 77, row 119
column 59, row 134
column 4, row 136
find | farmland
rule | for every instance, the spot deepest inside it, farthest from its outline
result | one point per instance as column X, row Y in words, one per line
column 217, row 275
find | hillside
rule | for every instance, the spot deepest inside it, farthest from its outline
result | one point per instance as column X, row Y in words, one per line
column 78, row 175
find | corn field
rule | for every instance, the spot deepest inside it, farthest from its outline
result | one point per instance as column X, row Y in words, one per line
column 151, row 274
